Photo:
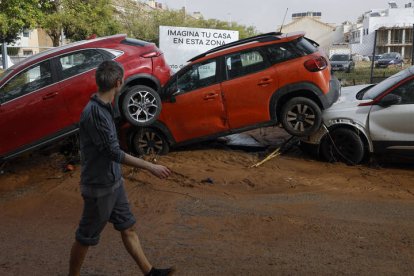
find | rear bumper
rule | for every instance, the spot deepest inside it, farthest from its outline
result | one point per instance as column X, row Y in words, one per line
column 334, row 92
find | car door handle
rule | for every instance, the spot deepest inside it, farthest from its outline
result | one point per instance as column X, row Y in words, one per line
column 49, row 95
column 265, row 81
column 210, row 96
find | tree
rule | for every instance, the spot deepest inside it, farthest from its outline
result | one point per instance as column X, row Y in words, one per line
column 143, row 24
column 79, row 19
column 52, row 20
column 87, row 17
column 15, row 16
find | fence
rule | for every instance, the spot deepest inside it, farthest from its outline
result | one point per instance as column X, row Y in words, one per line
column 382, row 54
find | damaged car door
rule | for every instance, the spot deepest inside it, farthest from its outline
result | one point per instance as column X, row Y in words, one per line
column 391, row 120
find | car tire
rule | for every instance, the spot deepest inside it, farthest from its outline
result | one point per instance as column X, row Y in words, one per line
column 141, row 105
column 343, row 145
column 309, row 149
column 149, row 141
column 301, row 116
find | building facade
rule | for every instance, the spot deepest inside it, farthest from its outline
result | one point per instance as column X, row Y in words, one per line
column 29, row 42
column 394, row 27
column 325, row 34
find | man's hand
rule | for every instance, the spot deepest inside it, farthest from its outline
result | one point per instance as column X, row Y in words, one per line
column 159, row 171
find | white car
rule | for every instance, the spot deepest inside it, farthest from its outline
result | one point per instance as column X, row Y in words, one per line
column 368, row 119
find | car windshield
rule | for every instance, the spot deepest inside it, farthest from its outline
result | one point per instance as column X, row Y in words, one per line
column 387, row 83
column 389, row 55
column 340, row 58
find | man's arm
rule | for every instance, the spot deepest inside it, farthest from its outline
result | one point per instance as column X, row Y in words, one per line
column 157, row 170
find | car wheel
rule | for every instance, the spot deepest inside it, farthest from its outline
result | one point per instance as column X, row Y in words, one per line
column 343, row 145
column 301, row 116
column 141, row 105
column 149, row 141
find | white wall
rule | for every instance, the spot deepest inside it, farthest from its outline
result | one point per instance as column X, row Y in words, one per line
column 401, row 17
column 322, row 33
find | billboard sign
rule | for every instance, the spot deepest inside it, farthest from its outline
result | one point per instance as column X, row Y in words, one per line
column 180, row 44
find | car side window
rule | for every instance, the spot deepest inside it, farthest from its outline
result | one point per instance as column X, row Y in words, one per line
column 244, row 63
column 79, row 62
column 200, row 75
column 279, row 53
column 29, row 80
column 406, row 92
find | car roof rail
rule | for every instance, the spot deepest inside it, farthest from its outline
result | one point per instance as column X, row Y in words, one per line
column 261, row 38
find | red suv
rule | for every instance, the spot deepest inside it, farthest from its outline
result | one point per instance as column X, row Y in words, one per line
column 41, row 98
column 255, row 82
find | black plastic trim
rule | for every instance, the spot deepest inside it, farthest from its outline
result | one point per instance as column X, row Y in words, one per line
column 292, row 89
column 384, row 146
column 142, row 76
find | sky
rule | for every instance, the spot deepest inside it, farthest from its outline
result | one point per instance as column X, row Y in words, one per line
column 267, row 15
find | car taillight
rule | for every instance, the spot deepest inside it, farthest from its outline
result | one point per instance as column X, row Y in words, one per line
column 316, row 64
column 151, row 54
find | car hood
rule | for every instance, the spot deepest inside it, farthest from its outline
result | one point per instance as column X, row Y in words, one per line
column 347, row 106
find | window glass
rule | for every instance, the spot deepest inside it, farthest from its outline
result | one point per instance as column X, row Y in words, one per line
column 386, row 84
column 200, row 75
column 406, row 92
column 27, row 81
column 305, row 46
column 80, row 62
column 280, row 53
column 244, row 63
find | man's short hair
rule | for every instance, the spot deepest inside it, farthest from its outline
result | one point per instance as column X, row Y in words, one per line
column 107, row 74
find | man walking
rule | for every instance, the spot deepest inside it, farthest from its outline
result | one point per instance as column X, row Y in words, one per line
column 102, row 185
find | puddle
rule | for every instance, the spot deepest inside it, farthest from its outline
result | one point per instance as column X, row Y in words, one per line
column 244, row 141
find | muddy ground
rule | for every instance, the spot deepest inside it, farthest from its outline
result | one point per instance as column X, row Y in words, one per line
column 217, row 216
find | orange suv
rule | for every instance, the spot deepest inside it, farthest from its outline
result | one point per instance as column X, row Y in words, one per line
column 250, row 83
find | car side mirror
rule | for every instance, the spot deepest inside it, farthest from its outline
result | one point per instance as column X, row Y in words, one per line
column 390, row 99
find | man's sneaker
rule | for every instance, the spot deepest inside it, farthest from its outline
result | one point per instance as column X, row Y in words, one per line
column 160, row 271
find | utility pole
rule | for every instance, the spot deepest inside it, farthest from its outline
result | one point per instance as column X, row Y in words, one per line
column 371, row 78
column 412, row 39
column 4, row 55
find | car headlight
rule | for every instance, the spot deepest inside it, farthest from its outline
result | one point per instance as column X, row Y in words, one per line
column 392, row 62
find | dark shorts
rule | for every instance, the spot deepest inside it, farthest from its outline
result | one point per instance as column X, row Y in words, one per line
column 97, row 211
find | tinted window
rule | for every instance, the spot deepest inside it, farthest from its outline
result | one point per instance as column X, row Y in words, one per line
column 241, row 64
column 390, row 56
column 304, row 46
column 386, row 84
column 406, row 92
column 279, row 53
column 79, row 62
column 27, row 81
column 340, row 58
column 199, row 75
